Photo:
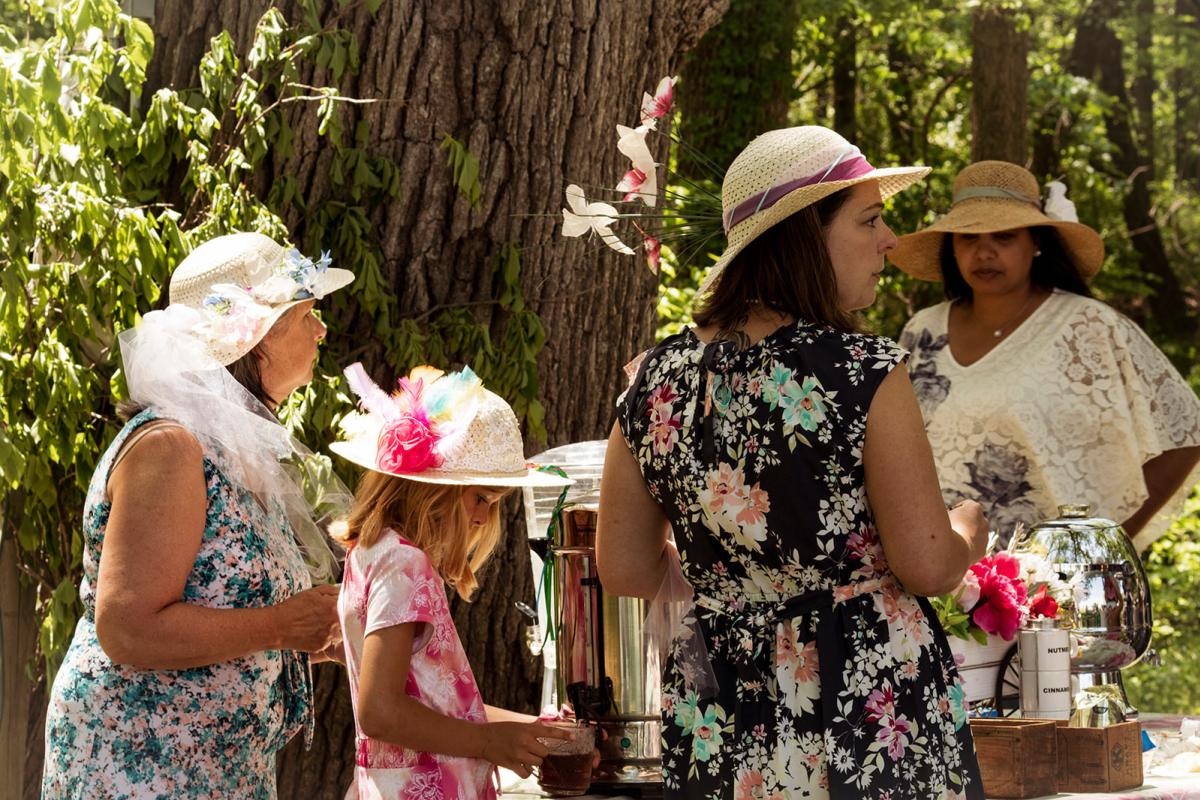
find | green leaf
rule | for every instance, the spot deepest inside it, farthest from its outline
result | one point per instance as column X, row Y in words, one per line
column 464, row 169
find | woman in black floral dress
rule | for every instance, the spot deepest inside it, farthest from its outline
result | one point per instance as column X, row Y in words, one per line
column 809, row 528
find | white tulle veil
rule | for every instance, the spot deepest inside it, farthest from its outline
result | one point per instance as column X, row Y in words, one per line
column 169, row 370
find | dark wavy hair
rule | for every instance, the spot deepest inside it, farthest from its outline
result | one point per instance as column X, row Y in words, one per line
column 787, row 269
column 1053, row 269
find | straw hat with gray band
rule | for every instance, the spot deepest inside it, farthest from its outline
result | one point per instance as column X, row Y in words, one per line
column 783, row 171
column 993, row 196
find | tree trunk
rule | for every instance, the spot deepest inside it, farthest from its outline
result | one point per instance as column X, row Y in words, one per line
column 999, row 111
column 22, row 717
column 1187, row 94
column 534, row 90
column 735, row 84
column 902, row 112
column 845, row 78
column 1097, row 55
column 1144, row 83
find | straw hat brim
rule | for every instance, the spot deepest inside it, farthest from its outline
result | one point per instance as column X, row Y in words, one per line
column 363, row 453
column 329, row 281
column 919, row 254
column 891, row 180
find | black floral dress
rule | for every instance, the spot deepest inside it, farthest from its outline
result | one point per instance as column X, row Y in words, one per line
column 832, row 680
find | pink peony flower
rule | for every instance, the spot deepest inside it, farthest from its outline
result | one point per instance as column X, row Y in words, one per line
column 967, row 594
column 1002, row 604
column 408, row 445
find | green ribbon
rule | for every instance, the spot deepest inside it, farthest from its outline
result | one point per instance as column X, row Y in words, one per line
column 553, row 541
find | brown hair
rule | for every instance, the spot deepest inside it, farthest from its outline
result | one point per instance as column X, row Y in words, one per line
column 431, row 516
column 786, row 269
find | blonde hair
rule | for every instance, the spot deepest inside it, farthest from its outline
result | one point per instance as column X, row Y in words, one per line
column 431, row 516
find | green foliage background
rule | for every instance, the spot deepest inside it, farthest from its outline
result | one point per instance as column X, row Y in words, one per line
column 105, row 191
column 914, row 106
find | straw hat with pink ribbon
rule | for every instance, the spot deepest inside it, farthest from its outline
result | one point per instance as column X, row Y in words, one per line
column 782, row 172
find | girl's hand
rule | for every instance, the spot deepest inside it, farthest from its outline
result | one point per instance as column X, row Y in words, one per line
column 515, row 745
column 308, row 621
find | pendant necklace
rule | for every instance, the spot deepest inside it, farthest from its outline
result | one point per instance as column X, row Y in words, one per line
column 998, row 332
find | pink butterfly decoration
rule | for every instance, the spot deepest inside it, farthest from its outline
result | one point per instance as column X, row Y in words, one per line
column 632, row 144
column 653, row 249
column 632, row 181
column 660, row 104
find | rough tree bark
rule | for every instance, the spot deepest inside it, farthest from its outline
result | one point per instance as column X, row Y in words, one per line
column 1097, row 55
column 534, row 89
column 845, row 77
column 1187, row 94
column 999, row 115
column 736, row 83
column 22, row 707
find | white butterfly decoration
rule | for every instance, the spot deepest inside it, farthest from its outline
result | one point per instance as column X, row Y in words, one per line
column 583, row 217
column 1057, row 206
column 641, row 181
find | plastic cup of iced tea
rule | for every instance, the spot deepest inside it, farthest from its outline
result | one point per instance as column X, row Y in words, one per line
column 567, row 770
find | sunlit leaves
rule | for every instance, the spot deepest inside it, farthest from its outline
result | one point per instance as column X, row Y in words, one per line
column 91, row 227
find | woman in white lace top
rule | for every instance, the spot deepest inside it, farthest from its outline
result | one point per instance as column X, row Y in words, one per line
column 1034, row 393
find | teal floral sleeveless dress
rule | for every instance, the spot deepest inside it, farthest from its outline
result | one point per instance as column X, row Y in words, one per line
column 118, row 732
column 831, row 679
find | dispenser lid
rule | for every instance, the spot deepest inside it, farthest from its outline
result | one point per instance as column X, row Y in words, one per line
column 1075, row 537
column 1078, row 516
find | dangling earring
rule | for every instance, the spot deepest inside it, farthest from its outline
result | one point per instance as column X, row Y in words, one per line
column 1037, row 253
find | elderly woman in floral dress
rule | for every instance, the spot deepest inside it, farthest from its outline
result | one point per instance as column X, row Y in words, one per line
column 1035, row 394
column 189, row 669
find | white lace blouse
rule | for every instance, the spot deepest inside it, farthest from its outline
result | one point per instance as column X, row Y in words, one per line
column 1066, row 409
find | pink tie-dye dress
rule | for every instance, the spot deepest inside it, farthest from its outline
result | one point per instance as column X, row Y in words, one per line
column 390, row 583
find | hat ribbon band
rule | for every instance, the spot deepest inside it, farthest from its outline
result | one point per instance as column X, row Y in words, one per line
column 994, row 192
column 846, row 170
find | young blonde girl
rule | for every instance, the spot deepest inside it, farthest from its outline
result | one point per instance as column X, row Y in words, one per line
column 442, row 453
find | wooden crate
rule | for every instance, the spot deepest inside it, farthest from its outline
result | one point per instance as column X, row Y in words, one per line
column 1099, row 759
column 1017, row 757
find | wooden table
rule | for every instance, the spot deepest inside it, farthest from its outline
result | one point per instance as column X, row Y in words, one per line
column 1156, row 787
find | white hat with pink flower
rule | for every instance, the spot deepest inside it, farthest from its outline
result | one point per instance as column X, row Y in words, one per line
column 438, row 428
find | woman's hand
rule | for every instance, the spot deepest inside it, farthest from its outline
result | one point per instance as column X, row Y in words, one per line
column 515, row 745
column 968, row 521
column 335, row 652
column 308, row 620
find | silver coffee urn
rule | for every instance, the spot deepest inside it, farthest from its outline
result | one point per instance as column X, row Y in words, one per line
column 1110, row 614
column 601, row 664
